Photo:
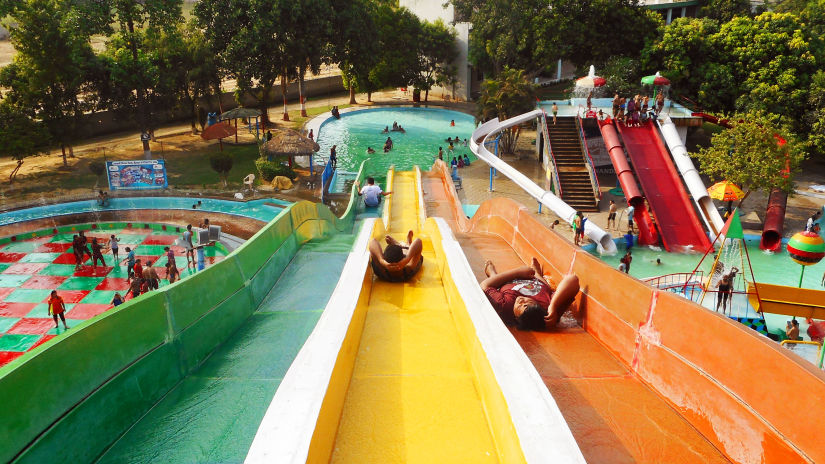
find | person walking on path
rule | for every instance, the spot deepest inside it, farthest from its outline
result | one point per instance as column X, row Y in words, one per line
column 113, row 245
column 57, row 308
column 190, row 249
column 130, row 262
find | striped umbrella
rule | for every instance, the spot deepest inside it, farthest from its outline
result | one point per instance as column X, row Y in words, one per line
column 725, row 191
column 656, row 79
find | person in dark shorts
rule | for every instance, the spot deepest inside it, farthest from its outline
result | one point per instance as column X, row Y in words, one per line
column 611, row 214
column 398, row 262
column 97, row 254
column 725, row 288
column 84, row 245
column 57, row 308
column 134, row 286
column 522, row 297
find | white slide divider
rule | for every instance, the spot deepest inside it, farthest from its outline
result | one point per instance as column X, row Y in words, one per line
column 543, row 433
column 707, row 210
column 604, row 241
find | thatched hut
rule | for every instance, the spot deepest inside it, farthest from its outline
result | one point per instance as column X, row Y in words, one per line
column 289, row 143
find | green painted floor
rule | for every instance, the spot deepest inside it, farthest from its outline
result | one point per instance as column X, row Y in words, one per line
column 214, row 413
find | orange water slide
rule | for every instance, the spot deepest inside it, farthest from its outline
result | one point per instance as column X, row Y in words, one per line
column 643, row 375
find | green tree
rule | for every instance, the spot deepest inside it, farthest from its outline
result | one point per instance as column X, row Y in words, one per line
column 48, row 77
column 396, row 62
column 755, row 153
column 436, row 52
column 506, row 96
column 622, row 74
column 187, row 68
column 533, row 34
column 245, row 36
column 306, row 32
column 724, row 10
column 131, row 16
column 22, row 137
column 221, row 163
column 354, row 45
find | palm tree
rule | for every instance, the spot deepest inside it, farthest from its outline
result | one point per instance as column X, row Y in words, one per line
column 507, row 95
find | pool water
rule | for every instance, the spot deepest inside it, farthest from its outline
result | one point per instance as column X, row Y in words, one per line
column 426, row 130
column 31, row 269
column 255, row 209
column 773, row 268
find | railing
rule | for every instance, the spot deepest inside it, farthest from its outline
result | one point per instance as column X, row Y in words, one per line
column 804, row 342
column 591, row 168
column 684, row 283
column 325, row 176
column 555, row 178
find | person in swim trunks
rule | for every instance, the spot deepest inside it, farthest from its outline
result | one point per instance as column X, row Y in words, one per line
column 522, row 296
column 398, row 262
column 725, row 286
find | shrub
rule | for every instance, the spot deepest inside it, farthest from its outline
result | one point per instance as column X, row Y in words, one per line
column 97, row 167
column 222, row 164
column 270, row 169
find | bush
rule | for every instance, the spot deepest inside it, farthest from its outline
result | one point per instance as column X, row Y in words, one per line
column 97, row 167
column 222, row 164
column 270, row 169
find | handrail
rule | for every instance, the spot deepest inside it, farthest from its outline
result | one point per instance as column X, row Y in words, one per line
column 591, row 167
column 805, row 342
column 799, row 342
column 556, row 180
column 326, row 175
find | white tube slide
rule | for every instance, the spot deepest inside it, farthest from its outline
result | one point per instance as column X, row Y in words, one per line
column 707, row 209
column 488, row 130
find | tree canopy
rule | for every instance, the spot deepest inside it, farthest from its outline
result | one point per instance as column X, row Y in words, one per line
column 757, row 152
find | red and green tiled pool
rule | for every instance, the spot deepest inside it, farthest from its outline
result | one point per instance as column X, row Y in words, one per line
column 34, row 265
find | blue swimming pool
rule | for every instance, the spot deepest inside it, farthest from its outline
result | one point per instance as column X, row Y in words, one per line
column 264, row 209
column 426, row 130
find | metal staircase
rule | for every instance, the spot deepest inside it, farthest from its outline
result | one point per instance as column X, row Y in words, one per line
column 576, row 180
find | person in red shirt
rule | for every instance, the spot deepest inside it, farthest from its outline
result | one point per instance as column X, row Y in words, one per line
column 522, row 296
column 57, row 308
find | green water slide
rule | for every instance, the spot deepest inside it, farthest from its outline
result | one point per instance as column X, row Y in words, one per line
column 186, row 373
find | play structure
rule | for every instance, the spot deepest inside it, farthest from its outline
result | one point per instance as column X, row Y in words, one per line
column 707, row 210
column 676, row 220
column 648, row 234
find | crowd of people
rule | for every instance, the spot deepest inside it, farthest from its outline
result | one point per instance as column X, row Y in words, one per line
column 141, row 277
column 635, row 110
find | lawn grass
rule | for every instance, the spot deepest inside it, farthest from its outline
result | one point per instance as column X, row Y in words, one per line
column 187, row 164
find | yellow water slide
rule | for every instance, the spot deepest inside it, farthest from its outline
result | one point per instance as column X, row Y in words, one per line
column 413, row 395
column 411, row 372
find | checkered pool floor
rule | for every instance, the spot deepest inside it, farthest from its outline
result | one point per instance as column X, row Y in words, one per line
column 30, row 268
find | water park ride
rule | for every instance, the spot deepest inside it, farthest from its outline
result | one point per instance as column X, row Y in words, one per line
column 676, row 219
column 648, row 234
column 707, row 210
column 490, row 129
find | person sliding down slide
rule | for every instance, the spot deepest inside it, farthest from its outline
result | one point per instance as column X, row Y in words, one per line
column 524, row 298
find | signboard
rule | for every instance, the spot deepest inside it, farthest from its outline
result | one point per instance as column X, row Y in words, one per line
column 137, row 175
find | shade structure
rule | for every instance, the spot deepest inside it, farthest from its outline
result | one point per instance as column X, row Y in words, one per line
column 725, row 191
column 240, row 112
column 287, row 142
column 655, row 79
column 218, row 131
